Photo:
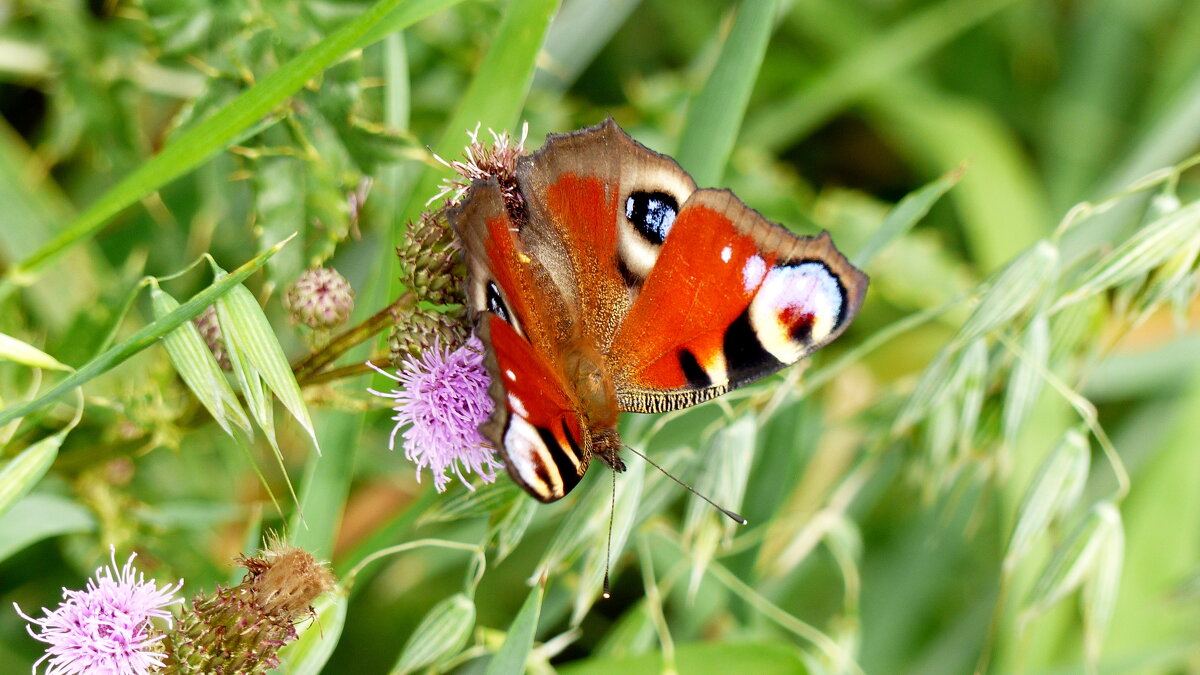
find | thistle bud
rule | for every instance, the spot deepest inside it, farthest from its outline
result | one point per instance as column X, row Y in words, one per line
column 210, row 330
column 239, row 630
column 320, row 299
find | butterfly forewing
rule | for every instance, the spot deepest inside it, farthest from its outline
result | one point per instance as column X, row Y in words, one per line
column 732, row 298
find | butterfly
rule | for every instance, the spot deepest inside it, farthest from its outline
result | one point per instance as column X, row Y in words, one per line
column 604, row 281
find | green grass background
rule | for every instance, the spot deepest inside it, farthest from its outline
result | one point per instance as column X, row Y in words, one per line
column 945, row 144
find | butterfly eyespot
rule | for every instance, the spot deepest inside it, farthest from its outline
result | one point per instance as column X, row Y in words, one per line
column 495, row 304
column 652, row 213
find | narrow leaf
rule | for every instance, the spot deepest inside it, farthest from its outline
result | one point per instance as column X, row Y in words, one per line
column 482, row 501
column 519, row 643
column 142, row 338
column 496, row 94
column 440, row 635
column 12, row 349
column 213, row 134
column 511, row 528
column 716, row 113
column 24, row 471
column 907, row 213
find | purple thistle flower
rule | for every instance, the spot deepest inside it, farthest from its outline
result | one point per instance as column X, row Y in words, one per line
column 443, row 400
column 105, row 630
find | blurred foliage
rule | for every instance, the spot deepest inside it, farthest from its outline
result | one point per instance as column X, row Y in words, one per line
column 994, row 468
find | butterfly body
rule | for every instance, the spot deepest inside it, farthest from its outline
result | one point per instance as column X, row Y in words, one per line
column 604, row 281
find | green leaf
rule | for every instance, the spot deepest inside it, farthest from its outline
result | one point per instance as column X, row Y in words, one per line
column 482, row 501
column 216, row 132
column 907, row 213
column 327, row 481
column 519, row 643
column 24, row 471
column 41, row 516
column 512, row 526
column 195, row 363
column 495, row 96
column 142, row 338
column 309, row 653
column 12, row 349
column 440, row 635
column 871, row 64
column 715, row 114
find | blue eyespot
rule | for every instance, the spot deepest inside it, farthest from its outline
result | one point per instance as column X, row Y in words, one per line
column 652, row 213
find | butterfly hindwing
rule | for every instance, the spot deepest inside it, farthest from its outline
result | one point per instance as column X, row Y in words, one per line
column 518, row 313
column 534, row 422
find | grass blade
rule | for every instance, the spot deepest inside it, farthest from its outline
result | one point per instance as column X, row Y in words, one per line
column 144, row 337
column 859, row 71
column 214, row 133
column 907, row 213
column 19, row 475
column 12, row 349
column 715, row 115
column 441, row 634
column 516, row 648
column 494, row 98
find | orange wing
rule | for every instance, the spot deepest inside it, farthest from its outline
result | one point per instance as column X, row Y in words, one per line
column 731, row 298
column 521, row 318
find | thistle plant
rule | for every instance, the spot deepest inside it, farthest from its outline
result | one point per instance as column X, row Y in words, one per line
column 107, row 628
column 240, row 630
column 441, row 401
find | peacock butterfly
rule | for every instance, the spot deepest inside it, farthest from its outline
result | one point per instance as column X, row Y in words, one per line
column 607, row 282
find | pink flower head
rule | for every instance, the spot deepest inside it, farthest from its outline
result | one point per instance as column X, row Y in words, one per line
column 484, row 160
column 105, row 630
column 443, row 401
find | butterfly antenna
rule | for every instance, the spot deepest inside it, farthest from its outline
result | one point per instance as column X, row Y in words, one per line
column 733, row 515
column 608, row 551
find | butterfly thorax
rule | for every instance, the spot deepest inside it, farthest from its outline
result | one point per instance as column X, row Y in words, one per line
column 595, row 395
